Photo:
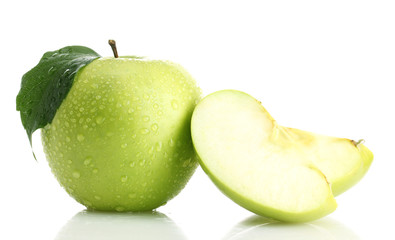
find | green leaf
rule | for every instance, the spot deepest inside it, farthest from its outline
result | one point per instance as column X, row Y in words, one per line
column 44, row 87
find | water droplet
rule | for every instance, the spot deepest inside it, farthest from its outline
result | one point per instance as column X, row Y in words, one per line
column 146, row 96
column 130, row 110
column 124, row 178
column 51, row 70
column 171, row 142
column 68, row 139
column 142, row 162
column 69, row 161
column 87, row 161
column 144, row 184
column 99, row 119
column 95, row 170
column 97, row 197
column 144, row 131
column 146, row 118
column 76, row 174
column 160, row 113
column 151, row 150
column 159, row 146
column 87, row 203
column 186, row 162
column 132, row 164
column 174, row 104
column 80, row 137
column 124, row 145
column 156, row 106
column 81, row 109
column 154, row 127
column 120, row 209
column 132, row 195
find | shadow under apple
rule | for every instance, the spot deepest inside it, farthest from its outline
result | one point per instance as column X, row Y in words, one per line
column 108, row 225
column 257, row 227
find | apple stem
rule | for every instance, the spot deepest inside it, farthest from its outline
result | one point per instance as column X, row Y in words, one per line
column 113, row 47
column 360, row 141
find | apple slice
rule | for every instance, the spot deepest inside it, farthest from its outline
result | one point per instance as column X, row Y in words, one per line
column 277, row 172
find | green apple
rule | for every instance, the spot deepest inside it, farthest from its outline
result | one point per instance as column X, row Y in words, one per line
column 274, row 171
column 120, row 139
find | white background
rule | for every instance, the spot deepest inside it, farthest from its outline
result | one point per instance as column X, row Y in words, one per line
column 322, row 66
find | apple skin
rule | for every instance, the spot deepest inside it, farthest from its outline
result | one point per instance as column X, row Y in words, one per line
column 343, row 184
column 121, row 138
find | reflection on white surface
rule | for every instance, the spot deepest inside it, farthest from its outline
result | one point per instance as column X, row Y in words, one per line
column 115, row 226
column 262, row 228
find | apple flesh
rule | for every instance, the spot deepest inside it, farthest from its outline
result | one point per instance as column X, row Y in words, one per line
column 121, row 140
column 271, row 170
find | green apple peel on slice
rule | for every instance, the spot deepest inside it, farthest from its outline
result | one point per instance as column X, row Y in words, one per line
column 273, row 171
